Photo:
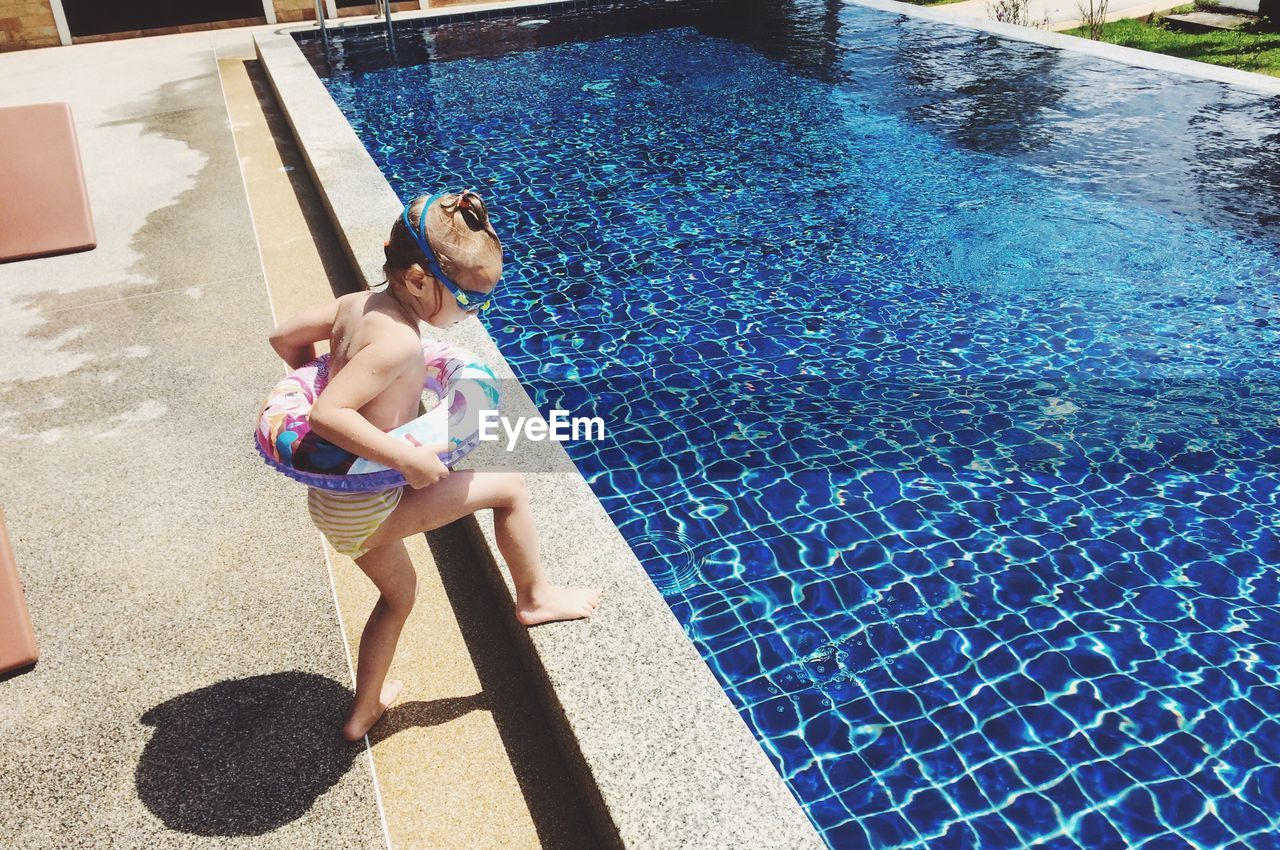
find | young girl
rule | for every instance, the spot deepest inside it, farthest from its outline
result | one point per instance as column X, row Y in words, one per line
column 443, row 262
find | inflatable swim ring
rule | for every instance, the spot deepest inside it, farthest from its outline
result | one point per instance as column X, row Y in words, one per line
column 464, row 385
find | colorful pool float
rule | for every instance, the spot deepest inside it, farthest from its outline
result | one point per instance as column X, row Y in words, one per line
column 464, row 385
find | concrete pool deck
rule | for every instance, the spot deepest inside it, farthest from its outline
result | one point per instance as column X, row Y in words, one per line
column 173, row 584
column 193, row 670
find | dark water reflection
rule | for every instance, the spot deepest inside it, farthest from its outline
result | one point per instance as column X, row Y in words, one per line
column 1185, row 147
column 984, row 97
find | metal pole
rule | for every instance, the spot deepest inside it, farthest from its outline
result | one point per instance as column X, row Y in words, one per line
column 324, row 31
column 386, row 8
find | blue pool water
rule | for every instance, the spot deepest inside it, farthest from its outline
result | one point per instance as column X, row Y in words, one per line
column 940, row 381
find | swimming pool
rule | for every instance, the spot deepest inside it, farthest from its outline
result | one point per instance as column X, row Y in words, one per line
column 939, row 376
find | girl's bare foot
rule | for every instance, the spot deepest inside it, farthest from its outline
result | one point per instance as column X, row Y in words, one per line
column 358, row 724
column 559, row 603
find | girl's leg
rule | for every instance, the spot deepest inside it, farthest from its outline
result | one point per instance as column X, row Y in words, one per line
column 463, row 493
column 390, row 569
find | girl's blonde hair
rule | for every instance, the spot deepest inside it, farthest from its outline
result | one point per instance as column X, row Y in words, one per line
column 459, row 233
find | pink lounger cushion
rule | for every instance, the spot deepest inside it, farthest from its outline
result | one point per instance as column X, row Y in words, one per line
column 44, row 208
column 17, row 640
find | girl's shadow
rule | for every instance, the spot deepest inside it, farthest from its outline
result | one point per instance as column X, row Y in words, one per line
column 246, row 756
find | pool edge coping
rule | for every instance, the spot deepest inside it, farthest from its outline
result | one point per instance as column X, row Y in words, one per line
column 660, row 753
column 1132, row 56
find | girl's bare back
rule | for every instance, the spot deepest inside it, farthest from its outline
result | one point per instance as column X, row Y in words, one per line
column 366, row 318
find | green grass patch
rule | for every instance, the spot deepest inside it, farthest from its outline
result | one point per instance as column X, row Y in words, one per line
column 1250, row 48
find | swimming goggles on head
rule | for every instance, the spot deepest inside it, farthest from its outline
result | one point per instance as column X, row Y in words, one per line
column 468, row 299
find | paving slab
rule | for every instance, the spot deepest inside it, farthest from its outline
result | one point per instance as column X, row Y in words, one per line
column 192, row 673
column 1208, row 21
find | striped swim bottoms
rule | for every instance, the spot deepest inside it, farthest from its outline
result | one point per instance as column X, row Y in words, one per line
column 349, row 519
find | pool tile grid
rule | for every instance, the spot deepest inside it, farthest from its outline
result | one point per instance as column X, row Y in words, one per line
column 1069, row 469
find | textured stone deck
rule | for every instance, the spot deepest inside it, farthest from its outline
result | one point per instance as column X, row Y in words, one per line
column 194, row 675
column 192, row 669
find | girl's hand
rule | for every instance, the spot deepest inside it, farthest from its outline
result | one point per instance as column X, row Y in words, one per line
column 422, row 466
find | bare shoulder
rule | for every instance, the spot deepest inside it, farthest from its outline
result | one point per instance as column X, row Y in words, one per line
column 353, row 298
column 389, row 341
column 352, row 305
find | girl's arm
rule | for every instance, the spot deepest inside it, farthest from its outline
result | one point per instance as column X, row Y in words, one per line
column 336, row 414
column 294, row 339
